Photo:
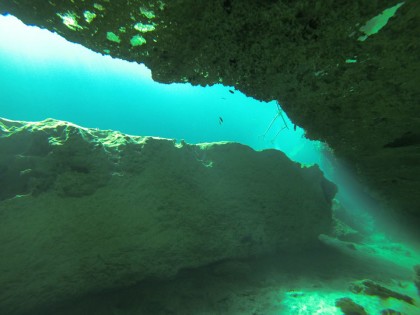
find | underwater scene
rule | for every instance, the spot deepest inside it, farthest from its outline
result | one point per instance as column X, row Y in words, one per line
column 131, row 184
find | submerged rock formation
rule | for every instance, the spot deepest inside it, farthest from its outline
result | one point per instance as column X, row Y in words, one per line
column 349, row 307
column 322, row 60
column 370, row 287
column 83, row 210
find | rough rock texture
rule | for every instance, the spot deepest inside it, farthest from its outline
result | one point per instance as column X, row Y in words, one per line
column 84, row 210
column 349, row 307
column 370, row 287
column 417, row 277
column 367, row 109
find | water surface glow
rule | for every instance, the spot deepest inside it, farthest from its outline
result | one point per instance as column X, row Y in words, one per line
column 47, row 76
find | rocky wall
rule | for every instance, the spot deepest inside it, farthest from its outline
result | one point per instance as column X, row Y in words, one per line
column 86, row 210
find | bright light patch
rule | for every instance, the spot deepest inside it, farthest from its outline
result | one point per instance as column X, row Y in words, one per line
column 137, row 40
column 113, row 37
column 147, row 13
column 375, row 24
column 33, row 49
column 98, row 6
column 323, row 302
column 144, row 28
column 310, row 303
column 70, row 20
column 89, row 16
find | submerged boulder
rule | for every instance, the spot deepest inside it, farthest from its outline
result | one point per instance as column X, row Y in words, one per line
column 83, row 210
column 349, row 307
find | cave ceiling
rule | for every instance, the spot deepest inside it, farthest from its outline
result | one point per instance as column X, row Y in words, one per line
column 358, row 93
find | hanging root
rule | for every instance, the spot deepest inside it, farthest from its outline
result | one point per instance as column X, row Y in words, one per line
column 279, row 114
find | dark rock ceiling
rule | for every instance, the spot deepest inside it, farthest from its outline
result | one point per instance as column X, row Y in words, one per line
column 295, row 52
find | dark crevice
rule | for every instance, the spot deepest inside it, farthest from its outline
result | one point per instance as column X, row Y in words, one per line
column 407, row 139
column 227, row 6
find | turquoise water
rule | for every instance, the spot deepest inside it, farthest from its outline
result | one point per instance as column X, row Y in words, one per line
column 43, row 75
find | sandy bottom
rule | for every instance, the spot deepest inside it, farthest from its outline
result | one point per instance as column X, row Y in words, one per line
column 286, row 283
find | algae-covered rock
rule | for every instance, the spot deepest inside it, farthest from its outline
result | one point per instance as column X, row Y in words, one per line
column 370, row 287
column 349, row 307
column 83, row 210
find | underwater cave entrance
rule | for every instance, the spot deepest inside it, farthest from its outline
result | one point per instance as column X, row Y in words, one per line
column 46, row 76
